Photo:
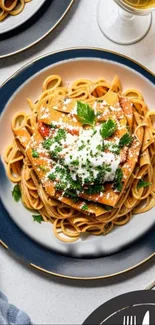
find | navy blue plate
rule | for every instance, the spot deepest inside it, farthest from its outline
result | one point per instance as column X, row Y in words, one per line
column 40, row 257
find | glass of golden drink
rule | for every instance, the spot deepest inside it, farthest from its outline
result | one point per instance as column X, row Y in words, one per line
column 125, row 21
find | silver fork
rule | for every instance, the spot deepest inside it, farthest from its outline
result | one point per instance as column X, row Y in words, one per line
column 130, row 320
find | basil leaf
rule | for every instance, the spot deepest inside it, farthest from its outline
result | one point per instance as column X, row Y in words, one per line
column 142, row 183
column 16, row 193
column 118, row 180
column 108, row 129
column 126, row 140
column 85, row 114
column 38, row 218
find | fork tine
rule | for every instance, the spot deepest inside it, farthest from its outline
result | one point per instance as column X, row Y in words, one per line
column 131, row 320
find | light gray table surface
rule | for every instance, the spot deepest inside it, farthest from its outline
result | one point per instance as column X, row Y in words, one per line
column 47, row 299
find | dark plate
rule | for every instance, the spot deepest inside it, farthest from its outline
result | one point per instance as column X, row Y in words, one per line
column 47, row 260
column 35, row 29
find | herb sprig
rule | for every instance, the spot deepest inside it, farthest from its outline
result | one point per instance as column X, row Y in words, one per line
column 118, row 185
column 108, row 129
column 38, row 218
column 96, row 189
column 16, row 193
column 85, row 207
column 85, row 114
column 126, row 140
column 142, row 183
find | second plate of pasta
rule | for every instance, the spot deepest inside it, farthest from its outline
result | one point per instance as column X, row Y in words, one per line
column 80, row 156
column 16, row 12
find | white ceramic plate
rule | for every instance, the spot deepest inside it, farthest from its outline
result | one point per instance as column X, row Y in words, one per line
column 12, row 22
column 70, row 70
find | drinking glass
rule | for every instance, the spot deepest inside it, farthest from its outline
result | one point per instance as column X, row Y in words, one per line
column 125, row 21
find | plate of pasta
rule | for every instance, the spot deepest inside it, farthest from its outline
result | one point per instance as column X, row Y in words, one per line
column 13, row 13
column 78, row 160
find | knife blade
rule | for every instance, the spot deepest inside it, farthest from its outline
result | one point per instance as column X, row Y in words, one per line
column 146, row 319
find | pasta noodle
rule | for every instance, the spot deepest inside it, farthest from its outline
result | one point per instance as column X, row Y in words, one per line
column 11, row 7
column 84, row 158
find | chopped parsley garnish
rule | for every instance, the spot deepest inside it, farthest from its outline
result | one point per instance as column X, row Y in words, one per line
column 52, row 177
column 94, row 132
column 60, row 170
column 75, row 163
column 107, row 168
column 35, row 154
column 85, row 114
column 47, row 144
column 61, row 186
column 81, row 147
column 87, row 180
column 52, row 126
column 66, row 183
column 99, row 100
column 16, row 193
column 126, row 140
column 105, row 146
column 114, row 148
column 142, row 183
column 55, row 152
column 99, row 147
column 76, row 172
column 96, row 189
column 118, row 185
column 61, row 135
column 102, row 172
column 108, row 129
column 85, row 207
column 90, row 179
column 38, row 218
column 71, row 195
column 91, row 154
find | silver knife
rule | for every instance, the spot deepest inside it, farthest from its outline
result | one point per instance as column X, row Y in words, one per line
column 146, row 319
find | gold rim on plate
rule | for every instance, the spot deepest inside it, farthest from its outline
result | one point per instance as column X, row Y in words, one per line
column 36, row 266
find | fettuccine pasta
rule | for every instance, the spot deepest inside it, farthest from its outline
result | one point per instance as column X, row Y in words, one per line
column 11, row 7
column 84, row 157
